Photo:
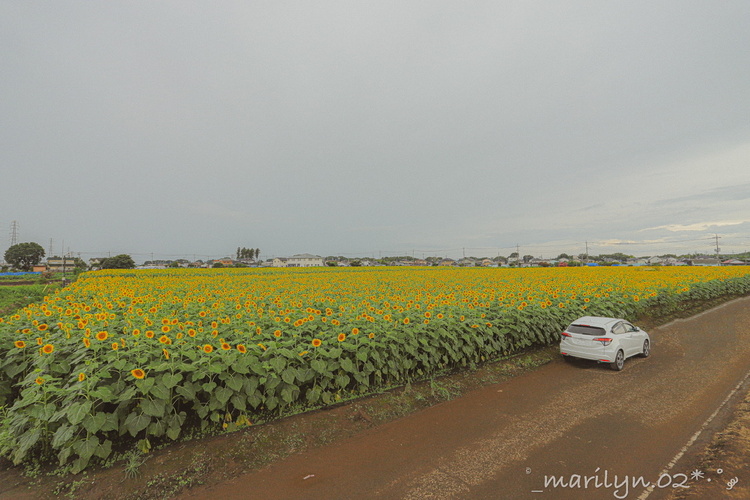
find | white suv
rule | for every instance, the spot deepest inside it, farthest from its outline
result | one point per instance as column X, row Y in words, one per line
column 606, row 340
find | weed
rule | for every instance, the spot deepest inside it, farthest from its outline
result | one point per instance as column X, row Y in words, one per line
column 438, row 390
column 133, row 461
column 32, row 469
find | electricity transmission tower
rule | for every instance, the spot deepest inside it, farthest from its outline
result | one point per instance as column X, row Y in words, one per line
column 13, row 233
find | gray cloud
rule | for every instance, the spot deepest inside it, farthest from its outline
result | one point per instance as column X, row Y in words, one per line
column 341, row 128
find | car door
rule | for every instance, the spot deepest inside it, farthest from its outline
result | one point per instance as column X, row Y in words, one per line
column 632, row 338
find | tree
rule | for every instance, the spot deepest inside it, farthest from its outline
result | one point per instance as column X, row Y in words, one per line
column 122, row 261
column 24, row 256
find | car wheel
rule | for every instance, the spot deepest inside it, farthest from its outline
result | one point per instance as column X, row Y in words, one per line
column 619, row 361
column 646, row 349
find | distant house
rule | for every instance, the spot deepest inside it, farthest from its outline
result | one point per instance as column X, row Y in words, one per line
column 299, row 260
column 57, row 264
column 39, row 268
column 703, row 262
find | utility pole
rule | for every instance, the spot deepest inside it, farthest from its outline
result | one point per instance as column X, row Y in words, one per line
column 50, row 248
column 716, row 237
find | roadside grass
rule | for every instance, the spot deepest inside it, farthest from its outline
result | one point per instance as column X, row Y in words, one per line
column 15, row 297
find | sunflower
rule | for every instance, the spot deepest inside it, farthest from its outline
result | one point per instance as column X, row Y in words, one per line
column 102, row 335
column 355, row 331
column 164, row 339
column 406, row 321
column 48, row 349
column 166, row 353
column 138, row 373
column 242, row 348
column 42, row 327
column 316, row 342
column 39, row 380
column 115, row 346
column 81, row 377
column 20, row 344
column 341, row 337
column 208, row 348
column 150, row 334
column 277, row 333
column 225, row 346
column 136, row 332
column 86, row 342
column 303, row 353
column 371, row 336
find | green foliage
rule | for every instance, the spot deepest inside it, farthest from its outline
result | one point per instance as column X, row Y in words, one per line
column 24, row 256
column 122, row 261
column 15, row 297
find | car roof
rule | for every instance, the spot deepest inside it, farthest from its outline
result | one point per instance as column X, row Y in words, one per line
column 599, row 321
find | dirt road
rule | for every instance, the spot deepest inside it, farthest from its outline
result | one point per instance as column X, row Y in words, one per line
column 564, row 431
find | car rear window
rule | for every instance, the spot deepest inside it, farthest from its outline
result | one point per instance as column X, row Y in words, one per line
column 587, row 330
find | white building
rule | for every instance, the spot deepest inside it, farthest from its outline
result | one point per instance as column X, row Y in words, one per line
column 299, row 260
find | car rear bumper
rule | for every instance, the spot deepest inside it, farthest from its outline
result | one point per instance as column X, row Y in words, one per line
column 595, row 354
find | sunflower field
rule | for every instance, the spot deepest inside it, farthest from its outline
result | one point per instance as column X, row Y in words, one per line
column 123, row 358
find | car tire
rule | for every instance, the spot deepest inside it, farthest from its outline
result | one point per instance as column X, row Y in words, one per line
column 619, row 363
column 646, row 349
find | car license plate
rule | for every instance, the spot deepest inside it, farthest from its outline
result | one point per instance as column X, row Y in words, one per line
column 581, row 342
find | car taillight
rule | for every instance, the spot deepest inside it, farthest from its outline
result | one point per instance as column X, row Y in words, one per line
column 566, row 334
column 604, row 340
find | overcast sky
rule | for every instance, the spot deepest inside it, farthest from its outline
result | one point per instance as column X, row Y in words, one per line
column 184, row 129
